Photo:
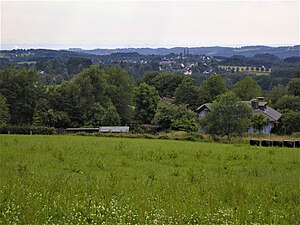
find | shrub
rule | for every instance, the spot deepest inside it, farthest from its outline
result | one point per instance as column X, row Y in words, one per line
column 26, row 129
column 164, row 137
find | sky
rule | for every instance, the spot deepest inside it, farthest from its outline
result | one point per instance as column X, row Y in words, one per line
column 126, row 24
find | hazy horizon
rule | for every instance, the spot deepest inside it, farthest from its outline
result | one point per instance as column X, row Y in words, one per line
column 135, row 24
column 56, row 47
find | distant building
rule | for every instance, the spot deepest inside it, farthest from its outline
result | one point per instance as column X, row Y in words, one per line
column 186, row 52
column 114, row 129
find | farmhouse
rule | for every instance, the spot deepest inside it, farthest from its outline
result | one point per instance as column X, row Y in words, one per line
column 258, row 106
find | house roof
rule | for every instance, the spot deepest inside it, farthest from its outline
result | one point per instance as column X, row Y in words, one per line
column 202, row 107
column 268, row 112
column 167, row 100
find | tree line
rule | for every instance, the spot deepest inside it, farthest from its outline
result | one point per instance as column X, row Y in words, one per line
column 107, row 95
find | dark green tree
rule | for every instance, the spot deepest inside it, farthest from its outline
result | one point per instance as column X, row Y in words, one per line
column 164, row 82
column 102, row 116
column 120, row 91
column 146, row 99
column 76, row 98
column 247, row 89
column 291, row 122
column 4, row 111
column 288, row 102
column 175, row 117
column 229, row 116
column 187, row 122
column 37, row 119
column 69, row 98
column 21, row 89
column 212, row 87
column 189, row 94
column 275, row 94
column 258, row 122
column 76, row 65
column 57, row 119
column 293, row 87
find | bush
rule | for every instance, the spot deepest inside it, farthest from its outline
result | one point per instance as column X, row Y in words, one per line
column 26, row 129
column 148, row 136
column 296, row 135
column 164, row 137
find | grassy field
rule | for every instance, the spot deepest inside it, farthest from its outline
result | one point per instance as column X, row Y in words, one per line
column 99, row 180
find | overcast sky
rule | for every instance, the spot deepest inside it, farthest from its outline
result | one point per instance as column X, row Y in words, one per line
column 112, row 24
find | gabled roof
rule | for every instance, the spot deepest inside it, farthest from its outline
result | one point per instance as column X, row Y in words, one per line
column 268, row 112
column 202, row 107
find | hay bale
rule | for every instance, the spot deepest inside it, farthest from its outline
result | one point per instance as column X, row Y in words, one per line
column 277, row 143
column 254, row 142
column 266, row 143
column 288, row 144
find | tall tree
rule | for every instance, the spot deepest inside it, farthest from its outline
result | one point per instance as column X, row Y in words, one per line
column 288, row 102
column 164, row 82
column 146, row 99
column 78, row 97
column 247, row 89
column 228, row 116
column 291, row 122
column 188, row 93
column 176, row 117
column 120, row 90
column 293, row 87
column 56, row 119
column 275, row 94
column 212, row 87
column 20, row 88
column 100, row 115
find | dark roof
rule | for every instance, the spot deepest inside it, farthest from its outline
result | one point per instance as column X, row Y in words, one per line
column 268, row 112
column 206, row 105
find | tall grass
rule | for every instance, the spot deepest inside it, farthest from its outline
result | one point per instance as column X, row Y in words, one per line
column 100, row 180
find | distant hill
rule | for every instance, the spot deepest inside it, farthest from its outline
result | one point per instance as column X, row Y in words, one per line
column 29, row 55
column 248, row 51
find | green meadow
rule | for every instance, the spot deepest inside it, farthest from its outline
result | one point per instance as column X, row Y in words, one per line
column 100, row 180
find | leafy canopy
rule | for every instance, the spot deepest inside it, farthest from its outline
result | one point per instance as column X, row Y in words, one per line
column 258, row 122
column 247, row 89
column 228, row 116
column 212, row 87
column 175, row 117
column 146, row 99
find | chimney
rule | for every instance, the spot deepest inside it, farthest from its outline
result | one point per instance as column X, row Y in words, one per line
column 254, row 104
column 260, row 99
